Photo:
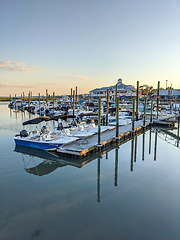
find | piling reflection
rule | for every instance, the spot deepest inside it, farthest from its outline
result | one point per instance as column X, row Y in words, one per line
column 143, row 145
column 135, row 151
column 155, row 145
column 132, row 152
column 116, row 168
column 150, row 141
column 50, row 161
column 98, row 181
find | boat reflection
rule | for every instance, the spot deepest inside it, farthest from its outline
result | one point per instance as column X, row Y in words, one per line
column 50, row 161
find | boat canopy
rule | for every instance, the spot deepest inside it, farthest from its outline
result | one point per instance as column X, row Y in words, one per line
column 36, row 120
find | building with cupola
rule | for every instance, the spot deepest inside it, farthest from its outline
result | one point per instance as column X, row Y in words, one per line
column 122, row 89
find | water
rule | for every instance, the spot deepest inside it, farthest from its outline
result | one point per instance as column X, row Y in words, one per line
column 131, row 192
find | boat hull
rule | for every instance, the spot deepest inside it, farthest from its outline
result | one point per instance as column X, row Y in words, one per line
column 37, row 144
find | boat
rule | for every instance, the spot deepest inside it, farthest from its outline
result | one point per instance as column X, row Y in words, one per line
column 41, row 139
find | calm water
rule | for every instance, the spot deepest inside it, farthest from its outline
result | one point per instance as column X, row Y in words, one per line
column 132, row 192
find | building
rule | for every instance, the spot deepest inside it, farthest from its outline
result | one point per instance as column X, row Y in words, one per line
column 122, row 89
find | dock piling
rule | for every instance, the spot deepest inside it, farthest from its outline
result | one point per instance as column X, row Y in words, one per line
column 158, row 99
column 152, row 100
column 117, row 117
column 137, row 101
column 99, row 121
column 107, row 108
column 133, row 114
column 145, row 104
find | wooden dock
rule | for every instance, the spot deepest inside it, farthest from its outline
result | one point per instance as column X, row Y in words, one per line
column 90, row 145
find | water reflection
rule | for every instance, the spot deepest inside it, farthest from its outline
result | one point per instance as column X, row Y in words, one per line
column 98, row 181
column 50, row 161
column 132, row 152
column 116, row 168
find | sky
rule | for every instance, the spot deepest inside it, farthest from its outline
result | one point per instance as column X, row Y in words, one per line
column 60, row 44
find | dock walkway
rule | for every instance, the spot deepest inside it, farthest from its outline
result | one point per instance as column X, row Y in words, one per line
column 86, row 146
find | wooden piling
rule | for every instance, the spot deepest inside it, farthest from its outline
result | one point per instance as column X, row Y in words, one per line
column 10, row 97
column 29, row 99
column 53, row 100
column 117, row 117
column 116, row 92
column 76, row 95
column 107, row 108
column 39, row 101
column 158, row 99
column 152, row 100
column 99, row 121
column 73, row 102
column 23, row 97
column 133, row 114
column 71, row 96
column 145, row 104
column 15, row 101
column 46, row 95
column 137, row 101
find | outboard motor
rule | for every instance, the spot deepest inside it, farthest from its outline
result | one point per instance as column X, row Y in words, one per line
column 44, row 130
column 74, row 123
column 23, row 133
column 88, row 120
column 60, row 126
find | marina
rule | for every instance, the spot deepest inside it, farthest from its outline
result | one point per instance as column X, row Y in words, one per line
column 136, row 178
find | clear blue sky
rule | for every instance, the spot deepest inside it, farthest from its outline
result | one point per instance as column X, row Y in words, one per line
column 59, row 44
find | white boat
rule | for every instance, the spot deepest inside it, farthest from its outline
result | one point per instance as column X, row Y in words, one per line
column 41, row 140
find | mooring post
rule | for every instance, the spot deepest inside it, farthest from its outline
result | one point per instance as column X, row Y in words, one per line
column 117, row 118
column 29, row 99
column 171, row 101
column 23, row 97
column 31, row 96
column 116, row 93
column 15, row 101
column 46, row 95
column 53, row 100
column 98, row 181
column 116, row 167
column 152, row 99
column 175, row 102
column 39, row 101
column 71, row 97
column 133, row 114
column 73, row 101
column 10, row 97
column 99, row 121
column 76, row 95
column 145, row 104
column 107, row 108
column 158, row 99
column 178, row 132
column 137, row 101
